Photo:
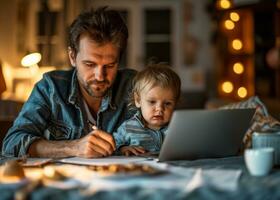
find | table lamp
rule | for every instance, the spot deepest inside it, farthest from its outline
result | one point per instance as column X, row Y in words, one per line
column 31, row 60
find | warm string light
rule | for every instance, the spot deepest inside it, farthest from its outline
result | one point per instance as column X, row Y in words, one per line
column 237, row 44
column 224, row 4
column 234, row 16
column 238, row 68
column 242, row 92
column 229, row 24
column 227, row 87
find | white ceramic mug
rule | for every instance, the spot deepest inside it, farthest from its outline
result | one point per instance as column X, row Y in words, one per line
column 259, row 161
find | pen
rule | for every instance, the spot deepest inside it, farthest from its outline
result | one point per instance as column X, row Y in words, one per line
column 92, row 125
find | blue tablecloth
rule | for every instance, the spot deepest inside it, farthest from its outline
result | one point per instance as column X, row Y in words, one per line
column 250, row 187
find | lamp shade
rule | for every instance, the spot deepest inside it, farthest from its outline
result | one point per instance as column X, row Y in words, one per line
column 31, row 59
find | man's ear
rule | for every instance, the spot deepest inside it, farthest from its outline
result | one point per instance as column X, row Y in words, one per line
column 72, row 56
column 137, row 100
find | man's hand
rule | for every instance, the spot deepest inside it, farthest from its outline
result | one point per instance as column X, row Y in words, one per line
column 132, row 150
column 96, row 144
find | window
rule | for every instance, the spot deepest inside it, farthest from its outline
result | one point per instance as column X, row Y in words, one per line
column 157, row 35
column 154, row 30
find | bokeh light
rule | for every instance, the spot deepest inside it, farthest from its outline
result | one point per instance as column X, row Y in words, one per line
column 227, row 87
column 238, row 68
column 242, row 92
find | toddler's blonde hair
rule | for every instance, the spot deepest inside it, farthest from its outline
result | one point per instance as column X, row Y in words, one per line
column 156, row 75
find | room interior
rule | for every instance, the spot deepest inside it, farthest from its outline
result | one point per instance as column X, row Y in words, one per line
column 224, row 50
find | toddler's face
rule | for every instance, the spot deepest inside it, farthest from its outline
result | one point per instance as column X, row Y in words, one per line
column 157, row 105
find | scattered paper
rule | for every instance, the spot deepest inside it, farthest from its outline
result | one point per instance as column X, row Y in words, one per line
column 187, row 179
column 196, row 182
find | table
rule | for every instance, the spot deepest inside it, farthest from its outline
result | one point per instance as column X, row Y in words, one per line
column 248, row 187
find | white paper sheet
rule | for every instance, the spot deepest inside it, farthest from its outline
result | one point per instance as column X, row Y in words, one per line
column 103, row 161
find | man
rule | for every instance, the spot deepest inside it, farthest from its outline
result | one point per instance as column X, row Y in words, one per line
column 73, row 113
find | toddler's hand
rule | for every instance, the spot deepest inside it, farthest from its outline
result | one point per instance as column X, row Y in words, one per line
column 132, row 150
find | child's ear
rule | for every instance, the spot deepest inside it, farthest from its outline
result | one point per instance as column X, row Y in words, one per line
column 137, row 100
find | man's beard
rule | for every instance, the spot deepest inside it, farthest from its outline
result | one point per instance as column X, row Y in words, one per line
column 98, row 92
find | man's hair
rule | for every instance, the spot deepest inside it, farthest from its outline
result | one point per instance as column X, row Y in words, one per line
column 102, row 25
column 156, row 75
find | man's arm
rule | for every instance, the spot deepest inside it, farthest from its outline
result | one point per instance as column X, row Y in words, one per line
column 29, row 125
column 27, row 133
column 96, row 144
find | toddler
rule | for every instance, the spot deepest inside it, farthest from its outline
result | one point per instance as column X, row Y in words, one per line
column 156, row 91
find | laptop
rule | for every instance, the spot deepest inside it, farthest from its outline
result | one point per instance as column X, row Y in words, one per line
column 198, row 134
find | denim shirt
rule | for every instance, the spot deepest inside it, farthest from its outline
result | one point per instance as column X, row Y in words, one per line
column 55, row 111
column 133, row 132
